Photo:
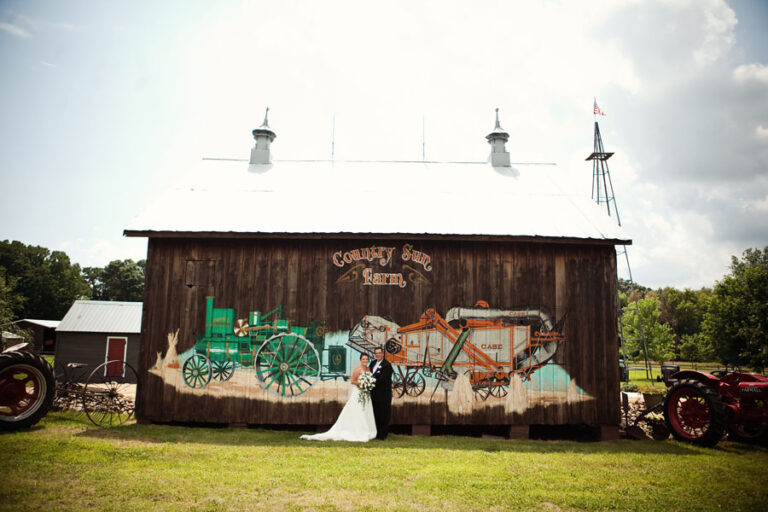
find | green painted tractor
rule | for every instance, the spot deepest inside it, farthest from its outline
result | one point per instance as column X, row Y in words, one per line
column 287, row 359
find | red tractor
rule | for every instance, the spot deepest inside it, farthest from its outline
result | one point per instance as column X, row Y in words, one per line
column 699, row 407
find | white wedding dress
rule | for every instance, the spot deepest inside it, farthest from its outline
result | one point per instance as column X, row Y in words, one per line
column 355, row 422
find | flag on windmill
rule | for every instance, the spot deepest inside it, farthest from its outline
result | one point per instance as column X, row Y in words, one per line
column 596, row 110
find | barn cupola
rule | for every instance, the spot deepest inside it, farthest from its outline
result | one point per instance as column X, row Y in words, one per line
column 498, row 139
column 260, row 153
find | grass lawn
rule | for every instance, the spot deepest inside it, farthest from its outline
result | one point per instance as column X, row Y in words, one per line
column 65, row 463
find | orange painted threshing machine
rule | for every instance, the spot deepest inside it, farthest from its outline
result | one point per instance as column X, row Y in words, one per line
column 487, row 345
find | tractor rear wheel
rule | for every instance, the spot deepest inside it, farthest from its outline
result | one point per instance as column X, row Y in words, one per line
column 26, row 389
column 414, row 384
column 694, row 413
column 287, row 364
column 398, row 388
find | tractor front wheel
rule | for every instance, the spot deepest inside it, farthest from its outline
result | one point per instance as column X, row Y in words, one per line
column 26, row 389
column 222, row 370
column 197, row 371
column 694, row 413
column 752, row 433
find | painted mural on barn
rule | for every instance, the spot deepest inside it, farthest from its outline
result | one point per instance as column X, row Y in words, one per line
column 472, row 356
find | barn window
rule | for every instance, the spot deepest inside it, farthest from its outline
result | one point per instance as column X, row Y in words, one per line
column 200, row 273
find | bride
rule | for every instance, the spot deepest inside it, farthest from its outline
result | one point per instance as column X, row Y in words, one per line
column 355, row 422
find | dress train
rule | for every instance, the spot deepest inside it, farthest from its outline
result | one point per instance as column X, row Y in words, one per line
column 355, row 422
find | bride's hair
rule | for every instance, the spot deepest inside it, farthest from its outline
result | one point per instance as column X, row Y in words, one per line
column 364, row 355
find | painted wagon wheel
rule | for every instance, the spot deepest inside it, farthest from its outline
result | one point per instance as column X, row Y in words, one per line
column 109, row 394
column 499, row 385
column 481, row 389
column 499, row 389
column 222, row 370
column 197, row 371
column 397, row 384
column 287, row 364
column 414, row 384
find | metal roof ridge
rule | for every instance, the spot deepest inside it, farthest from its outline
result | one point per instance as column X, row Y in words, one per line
column 111, row 302
column 309, row 160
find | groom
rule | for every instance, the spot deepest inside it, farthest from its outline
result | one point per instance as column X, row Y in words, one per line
column 381, row 395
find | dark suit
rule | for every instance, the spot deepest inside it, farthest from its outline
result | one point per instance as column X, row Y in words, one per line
column 381, row 397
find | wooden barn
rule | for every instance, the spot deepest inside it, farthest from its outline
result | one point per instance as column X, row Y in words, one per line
column 95, row 331
column 492, row 290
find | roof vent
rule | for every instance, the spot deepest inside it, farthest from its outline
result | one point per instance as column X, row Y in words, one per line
column 264, row 136
column 498, row 139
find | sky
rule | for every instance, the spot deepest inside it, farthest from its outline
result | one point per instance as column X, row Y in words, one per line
column 105, row 104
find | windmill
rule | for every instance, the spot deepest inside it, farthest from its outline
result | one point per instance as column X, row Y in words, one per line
column 603, row 194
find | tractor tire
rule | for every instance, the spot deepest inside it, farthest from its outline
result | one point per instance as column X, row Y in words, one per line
column 755, row 433
column 694, row 413
column 27, row 386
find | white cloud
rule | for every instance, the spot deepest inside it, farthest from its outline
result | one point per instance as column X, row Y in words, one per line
column 751, row 73
column 99, row 252
column 761, row 133
column 14, row 30
column 759, row 206
column 719, row 22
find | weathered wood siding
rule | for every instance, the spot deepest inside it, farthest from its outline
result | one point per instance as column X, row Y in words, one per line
column 300, row 274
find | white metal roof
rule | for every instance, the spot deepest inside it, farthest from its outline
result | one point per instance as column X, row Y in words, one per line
column 102, row 316
column 232, row 196
column 52, row 324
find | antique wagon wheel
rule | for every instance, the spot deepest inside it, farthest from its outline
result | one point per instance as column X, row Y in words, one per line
column 499, row 389
column 109, row 394
column 287, row 364
column 197, row 371
column 397, row 385
column 222, row 370
column 499, row 384
column 482, row 390
column 414, row 383
column 480, row 387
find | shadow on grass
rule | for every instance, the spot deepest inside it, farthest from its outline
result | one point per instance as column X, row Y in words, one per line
column 290, row 438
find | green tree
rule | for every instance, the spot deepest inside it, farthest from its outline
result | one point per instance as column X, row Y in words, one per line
column 696, row 347
column 684, row 312
column 737, row 318
column 631, row 292
column 94, row 276
column 48, row 281
column 122, row 280
column 10, row 300
column 658, row 335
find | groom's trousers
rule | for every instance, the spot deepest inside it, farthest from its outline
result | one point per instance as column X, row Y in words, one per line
column 382, row 411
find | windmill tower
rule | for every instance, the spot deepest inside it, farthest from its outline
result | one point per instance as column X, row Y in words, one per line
column 602, row 194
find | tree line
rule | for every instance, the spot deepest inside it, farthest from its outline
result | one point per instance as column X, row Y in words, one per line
column 727, row 323
column 38, row 283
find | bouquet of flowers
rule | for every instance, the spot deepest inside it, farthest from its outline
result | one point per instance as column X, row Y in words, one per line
column 366, row 383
